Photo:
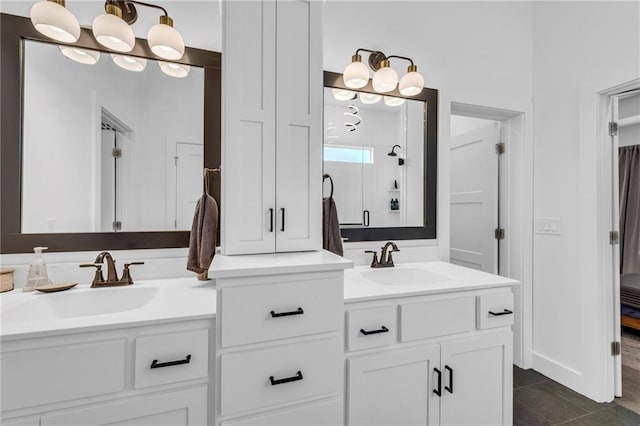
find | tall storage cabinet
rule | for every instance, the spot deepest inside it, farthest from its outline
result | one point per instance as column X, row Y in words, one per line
column 272, row 147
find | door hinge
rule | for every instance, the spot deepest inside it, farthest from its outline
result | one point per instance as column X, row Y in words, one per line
column 614, row 237
column 117, row 225
column 613, row 128
column 116, row 152
column 500, row 148
column 616, row 348
column 499, row 233
column 175, row 161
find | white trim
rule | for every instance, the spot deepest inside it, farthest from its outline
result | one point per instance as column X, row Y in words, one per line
column 516, row 211
column 606, row 222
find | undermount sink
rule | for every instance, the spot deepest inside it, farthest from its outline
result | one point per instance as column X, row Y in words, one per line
column 402, row 276
column 80, row 303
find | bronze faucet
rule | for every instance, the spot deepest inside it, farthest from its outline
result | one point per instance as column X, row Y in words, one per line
column 112, row 276
column 386, row 260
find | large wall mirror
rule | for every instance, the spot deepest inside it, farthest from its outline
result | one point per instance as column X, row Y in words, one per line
column 381, row 155
column 95, row 156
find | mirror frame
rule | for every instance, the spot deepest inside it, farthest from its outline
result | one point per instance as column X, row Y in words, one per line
column 430, row 185
column 14, row 30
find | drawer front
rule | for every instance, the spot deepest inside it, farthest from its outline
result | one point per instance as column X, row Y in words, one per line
column 260, row 313
column 495, row 310
column 439, row 317
column 326, row 413
column 169, row 358
column 372, row 327
column 282, row 374
column 33, row 377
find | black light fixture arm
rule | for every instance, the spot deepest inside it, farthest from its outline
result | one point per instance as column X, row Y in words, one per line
column 141, row 3
column 401, row 57
column 376, row 57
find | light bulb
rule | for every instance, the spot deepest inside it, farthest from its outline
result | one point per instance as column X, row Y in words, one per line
column 369, row 98
column 356, row 74
column 385, row 79
column 129, row 63
column 55, row 21
column 174, row 69
column 165, row 41
column 343, row 94
column 112, row 32
column 393, row 101
column 412, row 82
column 83, row 56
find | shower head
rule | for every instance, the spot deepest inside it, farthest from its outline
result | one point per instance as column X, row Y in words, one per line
column 393, row 151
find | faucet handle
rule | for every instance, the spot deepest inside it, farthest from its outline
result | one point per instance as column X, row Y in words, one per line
column 98, row 277
column 374, row 262
column 126, row 276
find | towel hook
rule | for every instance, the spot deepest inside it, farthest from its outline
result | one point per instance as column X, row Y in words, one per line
column 327, row 176
column 205, row 175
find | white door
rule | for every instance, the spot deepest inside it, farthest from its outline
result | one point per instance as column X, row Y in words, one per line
column 474, row 198
column 249, row 116
column 107, row 181
column 395, row 387
column 477, row 380
column 189, row 162
column 177, row 408
column 299, row 79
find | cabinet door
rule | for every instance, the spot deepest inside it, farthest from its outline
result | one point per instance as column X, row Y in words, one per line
column 481, row 391
column 248, row 132
column 394, row 387
column 177, row 408
column 298, row 129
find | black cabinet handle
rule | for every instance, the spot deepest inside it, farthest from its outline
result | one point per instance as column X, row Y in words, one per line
column 275, row 314
column 295, row 378
column 282, row 211
column 382, row 329
column 270, row 220
column 156, row 364
column 450, row 387
column 439, row 390
column 497, row 314
column 365, row 217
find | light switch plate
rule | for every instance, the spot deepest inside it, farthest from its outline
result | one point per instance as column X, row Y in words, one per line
column 548, row 226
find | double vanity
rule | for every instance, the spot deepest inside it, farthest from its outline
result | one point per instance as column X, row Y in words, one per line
column 274, row 339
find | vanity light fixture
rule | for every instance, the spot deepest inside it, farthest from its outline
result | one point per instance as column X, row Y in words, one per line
column 369, row 98
column 174, row 69
column 53, row 19
column 385, row 78
column 164, row 40
column 83, row 56
column 129, row 63
column 343, row 94
column 111, row 31
column 392, row 101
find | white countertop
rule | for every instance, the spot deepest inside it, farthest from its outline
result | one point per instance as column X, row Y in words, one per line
column 416, row 279
column 172, row 300
column 276, row 263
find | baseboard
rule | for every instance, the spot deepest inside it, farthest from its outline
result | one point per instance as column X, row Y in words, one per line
column 561, row 373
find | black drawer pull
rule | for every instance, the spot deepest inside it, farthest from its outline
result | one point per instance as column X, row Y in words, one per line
column 156, row 364
column 497, row 314
column 439, row 390
column 275, row 314
column 270, row 220
column 382, row 329
column 450, row 387
column 295, row 378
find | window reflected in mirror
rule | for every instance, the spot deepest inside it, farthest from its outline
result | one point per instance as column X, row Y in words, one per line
column 114, row 145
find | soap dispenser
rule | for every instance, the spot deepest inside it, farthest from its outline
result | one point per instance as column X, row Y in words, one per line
column 37, row 271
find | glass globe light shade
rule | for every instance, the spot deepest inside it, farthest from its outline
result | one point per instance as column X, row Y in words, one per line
column 175, row 70
column 369, row 98
column 55, row 21
column 165, row 41
column 412, row 82
column 385, row 79
column 392, row 101
column 112, row 32
column 343, row 94
column 356, row 74
column 83, row 56
column 130, row 63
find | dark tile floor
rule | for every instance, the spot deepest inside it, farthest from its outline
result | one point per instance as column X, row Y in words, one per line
column 538, row 400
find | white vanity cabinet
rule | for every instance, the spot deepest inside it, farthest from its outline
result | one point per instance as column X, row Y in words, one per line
column 272, row 100
column 156, row 375
column 440, row 360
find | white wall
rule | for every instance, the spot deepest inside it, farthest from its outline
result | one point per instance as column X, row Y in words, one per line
column 579, row 48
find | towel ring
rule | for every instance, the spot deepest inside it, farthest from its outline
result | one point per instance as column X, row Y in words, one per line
column 327, row 176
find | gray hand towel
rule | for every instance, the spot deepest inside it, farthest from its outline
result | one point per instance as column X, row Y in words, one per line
column 331, row 237
column 203, row 239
